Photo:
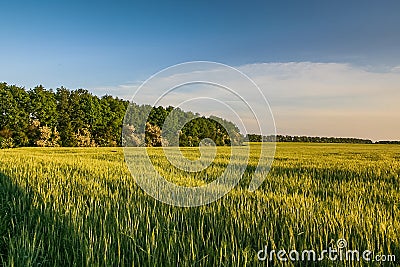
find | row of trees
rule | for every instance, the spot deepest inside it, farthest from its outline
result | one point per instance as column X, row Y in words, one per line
column 306, row 139
column 173, row 126
column 41, row 117
column 388, row 142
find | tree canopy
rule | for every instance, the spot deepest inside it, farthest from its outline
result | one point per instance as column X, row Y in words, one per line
column 42, row 117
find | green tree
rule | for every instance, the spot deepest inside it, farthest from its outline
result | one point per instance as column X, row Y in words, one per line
column 14, row 113
column 64, row 110
column 109, row 131
column 43, row 106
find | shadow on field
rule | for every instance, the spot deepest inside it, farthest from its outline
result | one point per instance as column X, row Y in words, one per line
column 30, row 231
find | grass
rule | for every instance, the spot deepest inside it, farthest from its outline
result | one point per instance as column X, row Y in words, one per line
column 81, row 207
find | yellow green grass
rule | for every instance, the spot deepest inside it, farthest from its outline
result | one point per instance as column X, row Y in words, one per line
column 81, row 206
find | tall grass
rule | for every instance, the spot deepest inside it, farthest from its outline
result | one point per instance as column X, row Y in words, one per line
column 81, row 207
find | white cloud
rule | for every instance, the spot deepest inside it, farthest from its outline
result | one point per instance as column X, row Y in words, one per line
column 396, row 69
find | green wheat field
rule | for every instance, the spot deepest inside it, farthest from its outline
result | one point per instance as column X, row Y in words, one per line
column 82, row 207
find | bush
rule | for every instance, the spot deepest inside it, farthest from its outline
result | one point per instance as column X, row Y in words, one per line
column 7, row 142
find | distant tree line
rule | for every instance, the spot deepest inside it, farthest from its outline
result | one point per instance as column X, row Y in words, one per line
column 312, row 139
column 42, row 117
column 388, row 142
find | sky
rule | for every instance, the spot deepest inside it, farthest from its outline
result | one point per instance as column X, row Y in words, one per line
column 327, row 68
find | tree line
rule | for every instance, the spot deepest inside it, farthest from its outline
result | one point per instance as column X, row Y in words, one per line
column 312, row 139
column 175, row 127
column 62, row 117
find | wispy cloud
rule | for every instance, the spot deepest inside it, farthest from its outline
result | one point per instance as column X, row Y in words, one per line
column 330, row 99
column 124, row 91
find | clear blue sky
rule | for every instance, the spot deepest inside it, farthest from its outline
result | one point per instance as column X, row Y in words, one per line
column 91, row 44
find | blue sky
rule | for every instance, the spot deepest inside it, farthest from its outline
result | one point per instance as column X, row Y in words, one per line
column 100, row 43
column 349, row 47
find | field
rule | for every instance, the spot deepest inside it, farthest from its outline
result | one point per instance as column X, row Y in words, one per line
column 81, row 206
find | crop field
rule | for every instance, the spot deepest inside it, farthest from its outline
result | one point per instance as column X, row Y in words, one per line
column 82, row 207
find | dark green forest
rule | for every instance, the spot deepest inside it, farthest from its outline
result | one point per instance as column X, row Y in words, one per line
column 62, row 117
